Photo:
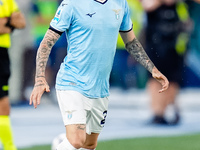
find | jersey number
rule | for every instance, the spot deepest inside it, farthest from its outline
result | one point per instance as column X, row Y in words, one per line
column 104, row 116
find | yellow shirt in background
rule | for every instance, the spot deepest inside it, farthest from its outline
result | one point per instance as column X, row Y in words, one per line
column 7, row 7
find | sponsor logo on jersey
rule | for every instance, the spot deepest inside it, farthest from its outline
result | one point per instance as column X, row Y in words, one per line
column 117, row 11
column 73, row 84
column 90, row 15
column 57, row 16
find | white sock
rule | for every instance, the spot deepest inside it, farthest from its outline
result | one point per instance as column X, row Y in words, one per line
column 65, row 145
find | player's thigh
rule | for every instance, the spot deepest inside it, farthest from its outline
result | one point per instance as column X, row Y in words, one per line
column 71, row 107
column 91, row 141
column 74, row 116
column 96, row 116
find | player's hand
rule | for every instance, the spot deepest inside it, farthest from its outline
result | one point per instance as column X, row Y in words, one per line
column 17, row 20
column 3, row 21
column 160, row 78
column 3, row 28
column 40, row 87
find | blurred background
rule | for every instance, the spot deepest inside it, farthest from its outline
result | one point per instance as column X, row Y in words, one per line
column 130, row 108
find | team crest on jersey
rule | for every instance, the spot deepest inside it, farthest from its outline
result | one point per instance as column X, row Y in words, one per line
column 117, row 11
column 69, row 116
column 57, row 16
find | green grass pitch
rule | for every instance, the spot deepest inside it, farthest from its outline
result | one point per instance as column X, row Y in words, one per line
column 186, row 142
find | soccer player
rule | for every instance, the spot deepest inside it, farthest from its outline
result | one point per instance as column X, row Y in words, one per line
column 166, row 43
column 10, row 18
column 82, row 83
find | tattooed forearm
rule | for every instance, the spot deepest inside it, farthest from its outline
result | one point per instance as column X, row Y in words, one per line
column 81, row 126
column 136, row 50
column 39, row 83
column 44, row 50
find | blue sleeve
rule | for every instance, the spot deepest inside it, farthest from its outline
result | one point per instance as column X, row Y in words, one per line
column 126, row 24
column 63, row 16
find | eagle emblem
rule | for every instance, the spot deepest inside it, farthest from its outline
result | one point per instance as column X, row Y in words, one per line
column 117, row 11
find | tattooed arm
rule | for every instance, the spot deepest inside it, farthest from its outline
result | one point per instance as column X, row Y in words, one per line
column 134, row 47
column 136, row 50
column 44, row 50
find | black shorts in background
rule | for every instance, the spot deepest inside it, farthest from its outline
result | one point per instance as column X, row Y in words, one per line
column 4, row 71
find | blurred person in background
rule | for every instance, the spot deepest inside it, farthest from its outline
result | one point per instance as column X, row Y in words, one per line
column 125, row 72
column 193, row 55
column 10, row 19
column 166, row 43
column 82, row 82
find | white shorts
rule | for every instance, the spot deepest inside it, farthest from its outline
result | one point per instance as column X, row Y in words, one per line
column 78, row 109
